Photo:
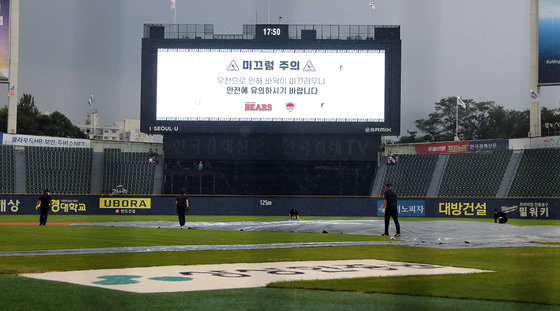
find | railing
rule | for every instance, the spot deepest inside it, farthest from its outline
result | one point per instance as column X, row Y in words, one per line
column 323, row 32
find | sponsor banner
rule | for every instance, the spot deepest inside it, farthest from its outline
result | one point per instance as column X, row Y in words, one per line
column 545, row 142
column 407, row 208
column 488, row 145
column 25, row 204
column 443, row 148
column 459, row 208
column 144, row 203
column 533, row 143
column 68, row 206
column 549, row 42
column 10, row 204
column 281, row 206
column 86, row 205
column 240, row 275
column 483, row 208
column 44, row 141
column 535, row 209
column 4, row 39
column 125, row 205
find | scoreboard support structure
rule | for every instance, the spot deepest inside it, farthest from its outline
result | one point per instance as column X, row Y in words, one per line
column 279, row 109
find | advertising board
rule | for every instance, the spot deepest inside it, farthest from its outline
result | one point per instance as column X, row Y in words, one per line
column 4, row 39
column 451, row 208
column 549, row 42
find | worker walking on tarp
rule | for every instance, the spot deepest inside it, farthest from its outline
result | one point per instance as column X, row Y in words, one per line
column 182, row 204
column 44, row 203
column 390, row 208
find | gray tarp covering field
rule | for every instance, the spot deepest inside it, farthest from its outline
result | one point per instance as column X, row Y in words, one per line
column 437, row 234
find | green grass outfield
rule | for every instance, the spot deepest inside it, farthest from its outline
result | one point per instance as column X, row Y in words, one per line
column 525, row 278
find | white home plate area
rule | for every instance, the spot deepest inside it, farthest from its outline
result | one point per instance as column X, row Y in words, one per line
column 240, row 275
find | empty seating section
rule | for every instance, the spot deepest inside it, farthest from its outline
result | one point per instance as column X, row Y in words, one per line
column 59, row 169
column 412, row 174
column 69, row 170
column 129, row 169
column 7, row 177
column 538, row 174
column 474, row 174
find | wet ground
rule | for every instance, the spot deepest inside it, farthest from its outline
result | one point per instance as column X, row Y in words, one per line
column 437, row 233
column 448, row 234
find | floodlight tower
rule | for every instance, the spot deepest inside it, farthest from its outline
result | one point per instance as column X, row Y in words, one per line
column 535, row 110
column 14, row 61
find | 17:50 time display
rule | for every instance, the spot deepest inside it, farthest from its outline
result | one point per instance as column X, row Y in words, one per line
column 272, row 31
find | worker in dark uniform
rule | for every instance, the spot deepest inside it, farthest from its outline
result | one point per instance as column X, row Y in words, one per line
column 500, row 217
column 390, row 208
column 44, row 204
column 294, row 213
column 182, row 205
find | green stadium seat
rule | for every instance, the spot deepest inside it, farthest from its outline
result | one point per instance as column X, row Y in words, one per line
column 412, row 174
column 538, row 174
column 59, row 169
column 474, row 174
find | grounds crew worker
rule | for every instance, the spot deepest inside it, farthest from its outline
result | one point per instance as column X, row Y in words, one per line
column 182, row 204
column 44, row 203
column 500, row 217
column 390, row 208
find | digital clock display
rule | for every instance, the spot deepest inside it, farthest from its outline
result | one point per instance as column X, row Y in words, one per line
column 272, row 32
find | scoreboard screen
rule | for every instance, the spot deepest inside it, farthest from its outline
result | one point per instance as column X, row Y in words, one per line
column 270, row 85
column 252, row 86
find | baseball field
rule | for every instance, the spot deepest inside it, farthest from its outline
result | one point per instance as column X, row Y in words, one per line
column 506, row 278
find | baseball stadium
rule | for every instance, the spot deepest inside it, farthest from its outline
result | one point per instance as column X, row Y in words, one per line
column 276, row 138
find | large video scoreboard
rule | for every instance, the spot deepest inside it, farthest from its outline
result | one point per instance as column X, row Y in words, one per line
column 270, row 84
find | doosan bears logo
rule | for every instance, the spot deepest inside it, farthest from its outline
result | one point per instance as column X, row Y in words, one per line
column 258, row 107
column 290, row 106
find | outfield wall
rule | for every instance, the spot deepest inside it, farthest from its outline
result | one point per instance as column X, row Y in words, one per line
column 545, row 208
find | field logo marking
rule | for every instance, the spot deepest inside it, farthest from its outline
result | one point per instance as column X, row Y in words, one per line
column 117, row 279
column 240, row 275
column 171, row 278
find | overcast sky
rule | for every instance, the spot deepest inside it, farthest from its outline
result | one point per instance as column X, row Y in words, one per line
column 477, row 49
